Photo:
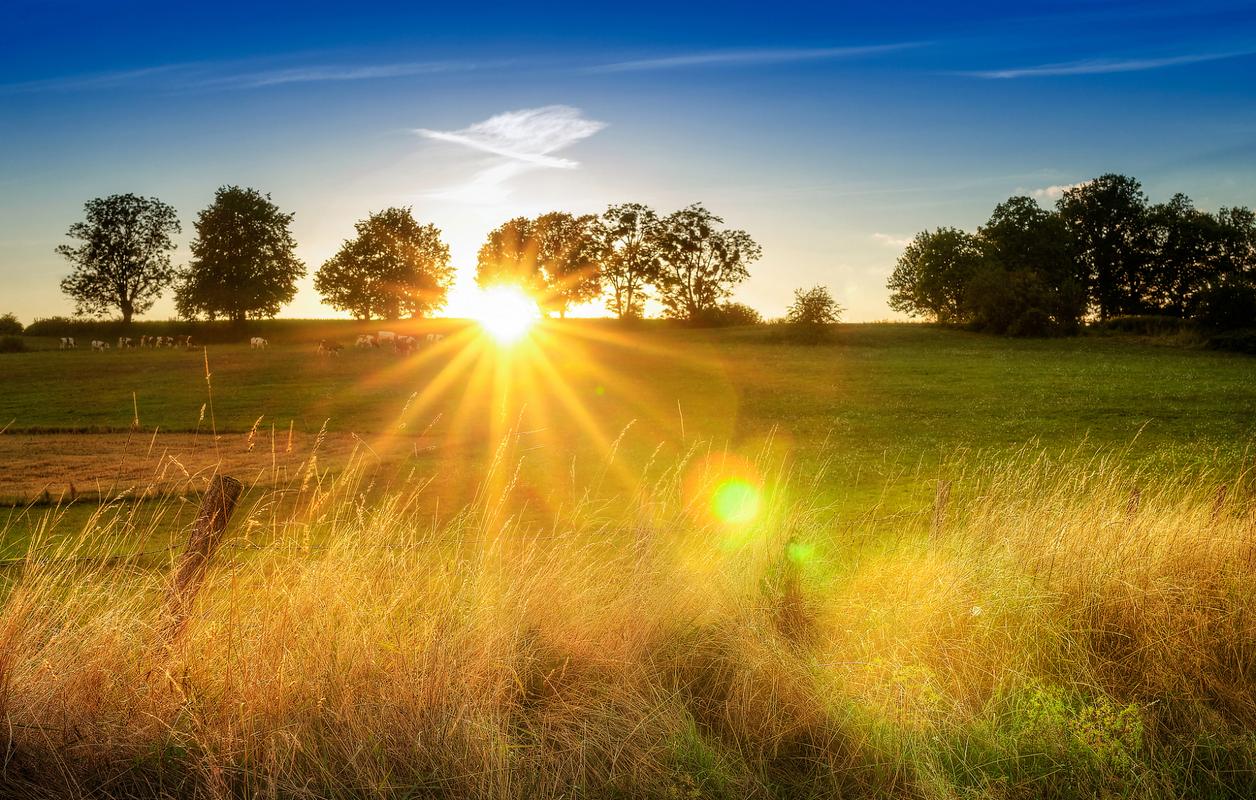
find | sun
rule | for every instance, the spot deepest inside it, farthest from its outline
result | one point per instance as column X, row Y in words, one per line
column 505, row 313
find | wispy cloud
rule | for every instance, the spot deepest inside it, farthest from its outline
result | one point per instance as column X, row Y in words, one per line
column 1101, row 66
column 521, row 140
column 749, row 57
column 891, row 241
column 238, row 75
column 340, row 72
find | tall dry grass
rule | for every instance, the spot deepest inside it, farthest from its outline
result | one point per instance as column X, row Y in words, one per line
column 1054, row 637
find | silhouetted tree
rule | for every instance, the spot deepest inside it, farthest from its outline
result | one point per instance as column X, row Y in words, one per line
column 700, row 264
column 556, row 258
column 124, row 259
column 243, row 259
column 394, row 266
column 1106, row 220
column 1184, row 261
column 1235, row 246
column 1029, row 272
column 631, row 252
column 931, row 276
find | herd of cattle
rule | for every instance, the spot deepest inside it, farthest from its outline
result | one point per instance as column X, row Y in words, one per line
column 129, row 343
column 366, row 341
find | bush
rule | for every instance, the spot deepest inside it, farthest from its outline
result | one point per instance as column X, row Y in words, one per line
column 12, row 344
column 728, row 315
column 1227, row 307
column 1019, row 303
column 1032, row 322
column 9, row 325
column 1234, row 341
column 1145, row 324
column 812, row 314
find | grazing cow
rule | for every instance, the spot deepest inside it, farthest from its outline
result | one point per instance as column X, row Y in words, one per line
column 258, row 343
column 99, row 345
column 432, row 338
column 67, row 343
column 365, row 340
column 125, row 342
column 405, row 344
column 326, row 348
column 385, row 336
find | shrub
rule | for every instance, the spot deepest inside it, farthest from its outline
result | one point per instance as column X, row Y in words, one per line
column 1234, row 341
column 812, row 313
column 727, row 315
column 1227, row 306
column 9, row 325
column 12, row 344
column 1032, row 322
column 1145, row 324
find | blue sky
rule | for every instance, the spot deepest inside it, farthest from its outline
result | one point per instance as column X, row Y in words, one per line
column 831, row 132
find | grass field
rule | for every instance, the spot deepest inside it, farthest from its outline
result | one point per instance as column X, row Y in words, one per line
column 644, row 563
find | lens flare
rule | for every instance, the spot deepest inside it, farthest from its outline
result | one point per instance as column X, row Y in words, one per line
column 736, row 502
column 506, row 313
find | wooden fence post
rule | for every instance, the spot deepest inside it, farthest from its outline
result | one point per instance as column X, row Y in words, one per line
column 941, row 498
column 1218, row 503
column 217, row 506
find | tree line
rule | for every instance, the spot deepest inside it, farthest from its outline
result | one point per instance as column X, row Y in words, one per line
column 244, row 266
column 1103, row 251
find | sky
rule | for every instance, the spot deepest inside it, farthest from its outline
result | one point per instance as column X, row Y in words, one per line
column 831, row 132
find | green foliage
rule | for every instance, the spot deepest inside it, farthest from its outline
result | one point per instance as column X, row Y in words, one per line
column 12, row 344
column 1227, row 306
column 1145, row 324
column 812, row 314
column 1107, row 224
column 556, row 258
column 243, row 259
column 393, row 267
column 700, row 263
column 1243, row 341
column 931, row 277
column 123, row 262
column 630, row 250
column 9, row 325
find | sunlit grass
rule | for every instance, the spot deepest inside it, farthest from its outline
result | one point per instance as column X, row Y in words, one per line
column 1044, row 636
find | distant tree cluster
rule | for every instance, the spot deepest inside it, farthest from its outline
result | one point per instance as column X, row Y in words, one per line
column 1104, row 251
column 244, row 263
column 687, row 258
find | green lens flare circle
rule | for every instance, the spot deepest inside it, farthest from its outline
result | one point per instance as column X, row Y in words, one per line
column 736, row 502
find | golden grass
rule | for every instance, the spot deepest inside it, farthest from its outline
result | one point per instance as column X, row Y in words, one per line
column 1053, row 638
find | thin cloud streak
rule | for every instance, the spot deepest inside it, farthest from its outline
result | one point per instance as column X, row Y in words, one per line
column 749, row 57
column 1103, row 66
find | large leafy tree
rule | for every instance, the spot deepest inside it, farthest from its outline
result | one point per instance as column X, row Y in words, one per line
column 123, row 261
column 393, row 267
column 632, row 245
column 932, row 275
column 1027, row 247
column 700, row 263
column 243, row 259
column 1108, row 231
column 1185, row 243
column 556, row 258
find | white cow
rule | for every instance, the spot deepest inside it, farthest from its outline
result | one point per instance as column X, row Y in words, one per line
column 125, row 342
column 385, row 336
column 99, row 345
column 365, row 340
column 432, row 338
column 67, row 343
column 258, row 343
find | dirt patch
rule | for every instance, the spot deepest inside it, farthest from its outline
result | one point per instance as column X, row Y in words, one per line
column 52, row 466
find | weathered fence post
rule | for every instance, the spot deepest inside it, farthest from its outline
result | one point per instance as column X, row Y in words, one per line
column 217, row 506
column 1218, row 503
column 940, row 500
